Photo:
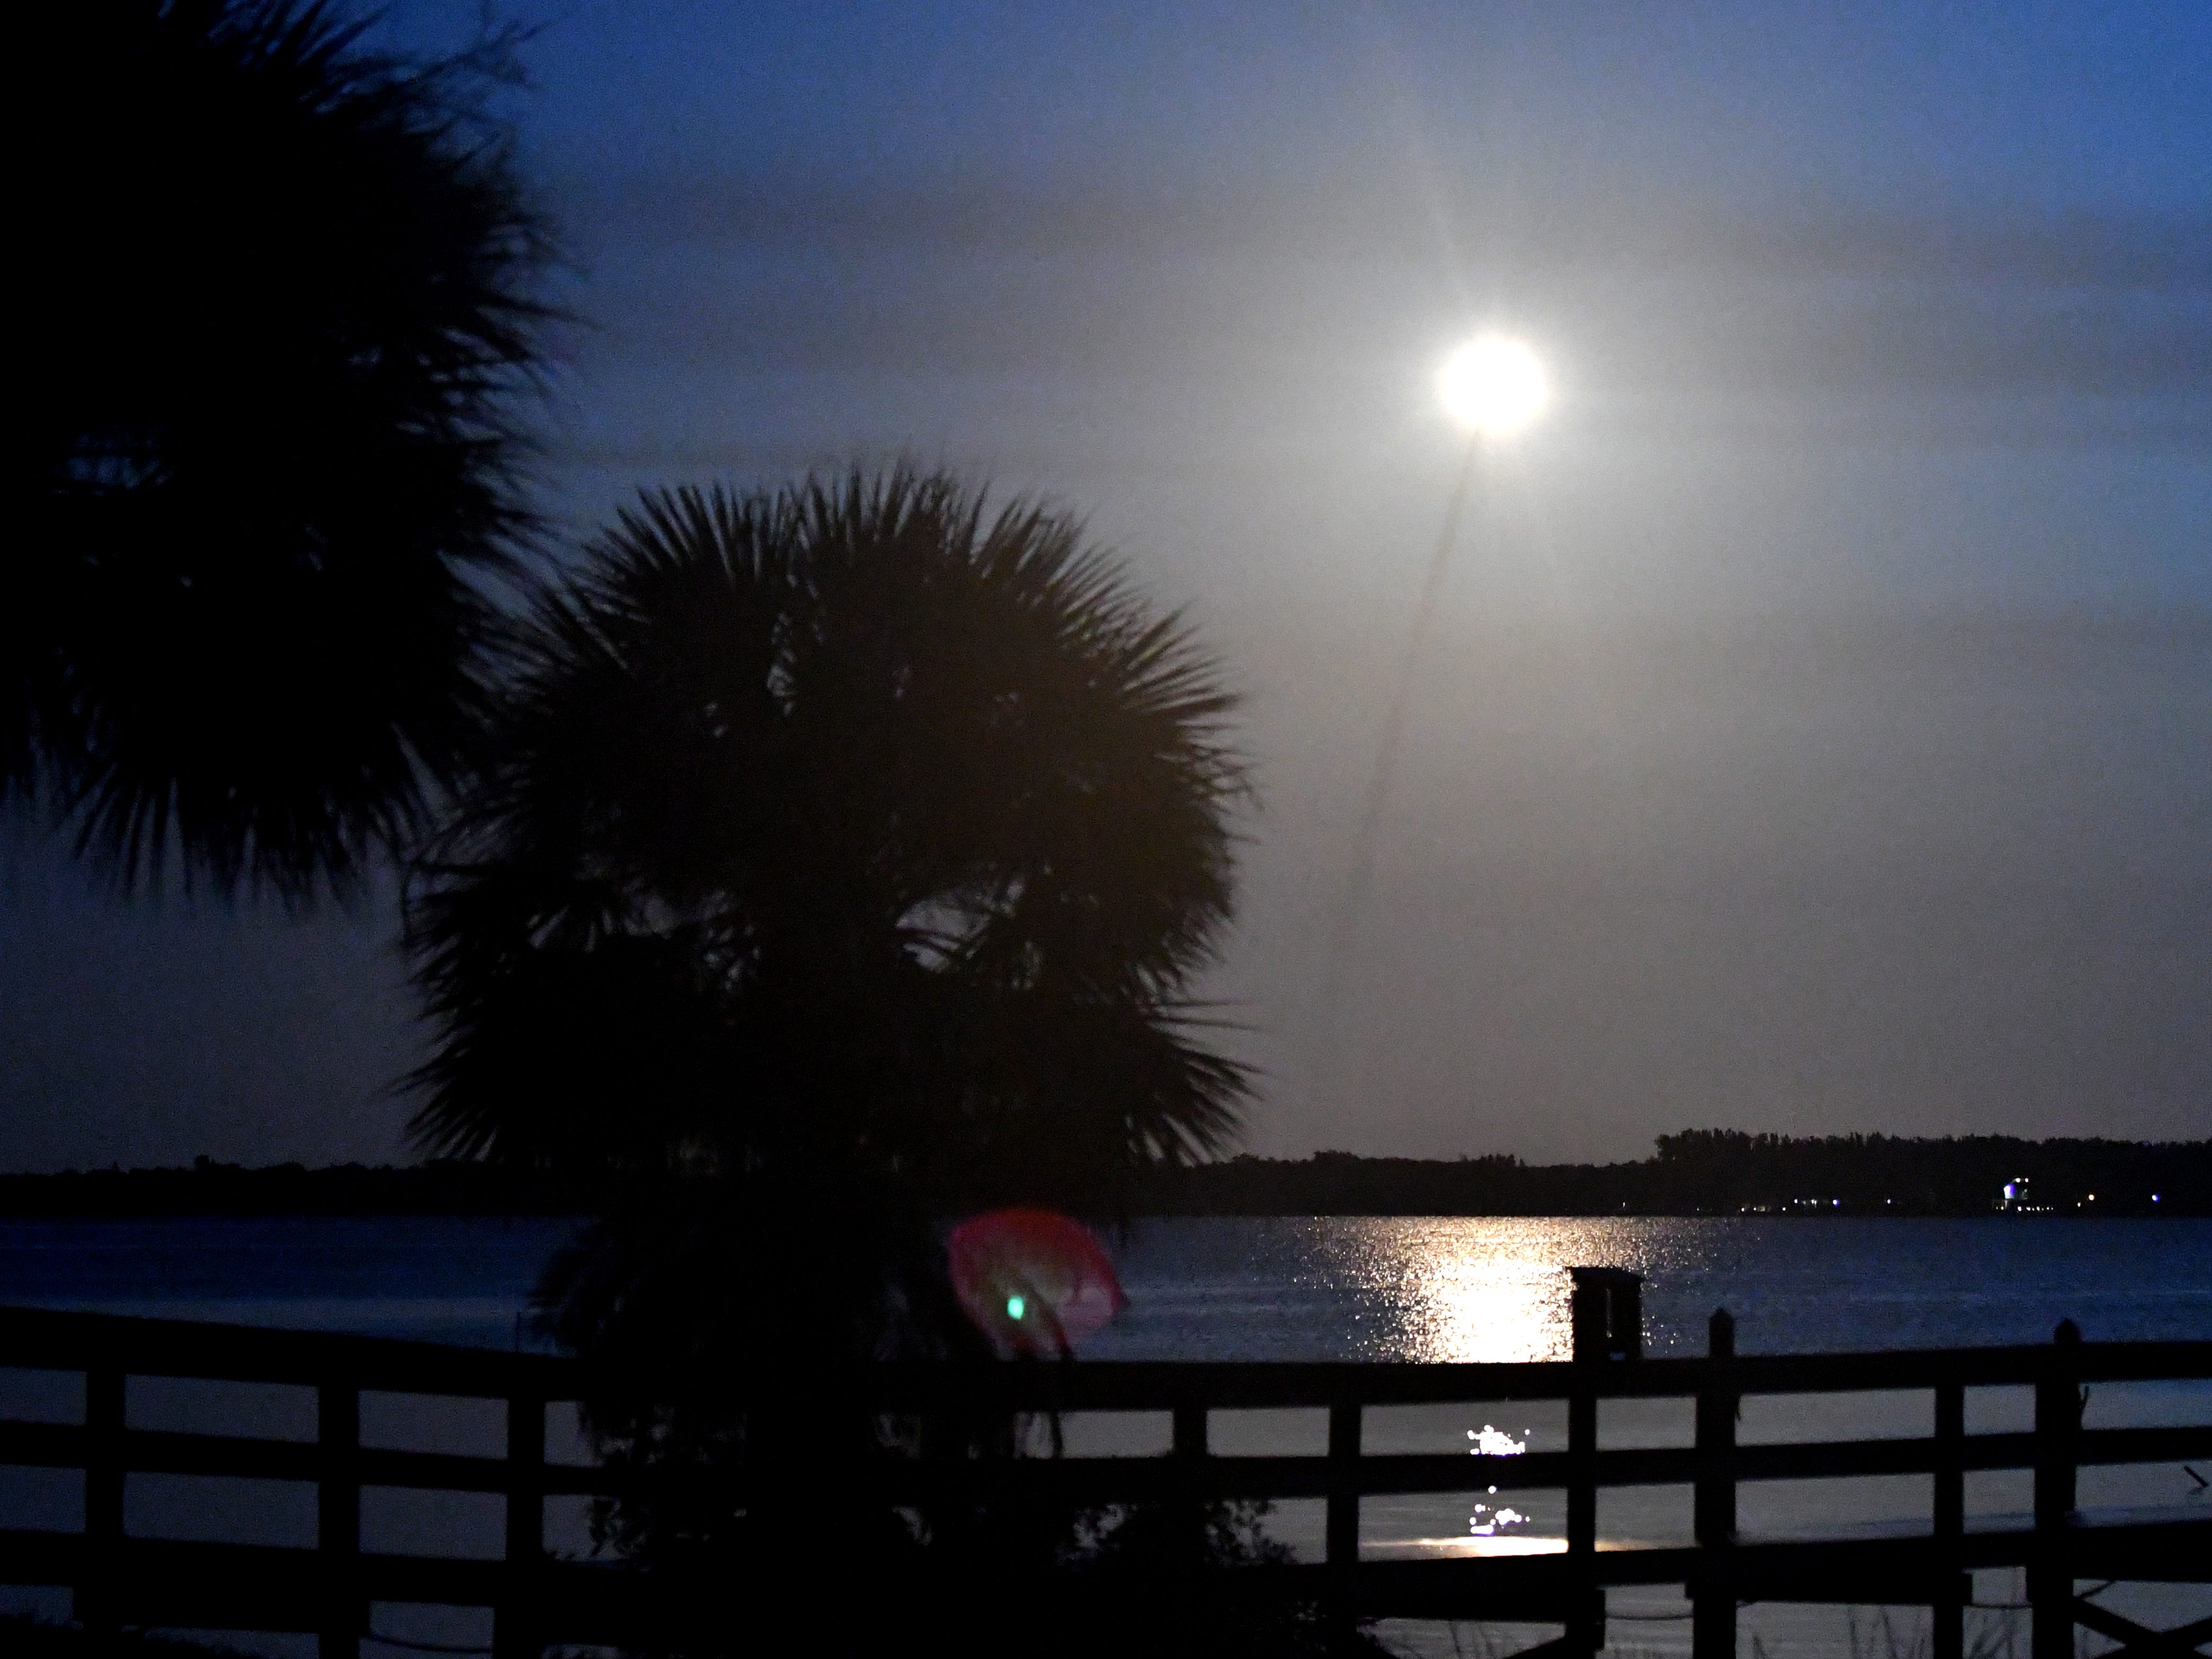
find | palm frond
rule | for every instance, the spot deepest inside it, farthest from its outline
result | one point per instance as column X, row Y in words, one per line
column 933, row 808
column 288, row 293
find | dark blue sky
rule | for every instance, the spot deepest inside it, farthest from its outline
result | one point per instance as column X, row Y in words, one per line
column 1817, row 734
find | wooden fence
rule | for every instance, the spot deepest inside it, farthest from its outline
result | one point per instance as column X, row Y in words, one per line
column 122, row 1580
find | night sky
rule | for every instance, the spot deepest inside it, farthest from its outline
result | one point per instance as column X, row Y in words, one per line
column 1816, row 731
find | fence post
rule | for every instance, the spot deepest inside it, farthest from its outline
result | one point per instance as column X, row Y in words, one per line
column 2057, row 1422
column 101, row 1574
column 1190, row 1430
column 1713, row 1631
column 516, row 1632
column 1947, row 1634
column 1342, row 1551
column 1343, row 1425
column 1605, row 1319
column 1189, row 1447
column 1189, row 1443
column 337, row 1433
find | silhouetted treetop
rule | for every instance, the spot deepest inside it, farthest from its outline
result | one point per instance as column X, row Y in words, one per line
column 855, row 826
column 283, row 304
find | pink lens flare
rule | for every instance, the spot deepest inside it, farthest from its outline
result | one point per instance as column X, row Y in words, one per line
column 1032, row 1280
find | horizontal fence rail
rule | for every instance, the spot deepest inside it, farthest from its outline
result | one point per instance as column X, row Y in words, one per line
column 119, row 1579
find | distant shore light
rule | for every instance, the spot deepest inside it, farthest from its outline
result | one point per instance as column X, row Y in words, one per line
column 1495, row 385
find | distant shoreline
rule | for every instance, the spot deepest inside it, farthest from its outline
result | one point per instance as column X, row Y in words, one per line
column 1699, row 1172
column 447, row 1187
column 1723, row 1172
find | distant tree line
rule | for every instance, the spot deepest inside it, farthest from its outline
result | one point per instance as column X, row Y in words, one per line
column 1725, row 1172
column 1696, row 1172
column 442, row 1187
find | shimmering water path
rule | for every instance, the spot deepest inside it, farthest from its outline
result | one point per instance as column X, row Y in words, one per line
column 1450, row 1288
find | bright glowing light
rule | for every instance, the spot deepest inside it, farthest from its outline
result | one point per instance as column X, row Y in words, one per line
column 1475, row 1304
column 1494, row 386
column 1016, row 1307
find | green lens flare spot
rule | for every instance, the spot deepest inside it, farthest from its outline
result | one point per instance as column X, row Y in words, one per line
column 1015, row 1306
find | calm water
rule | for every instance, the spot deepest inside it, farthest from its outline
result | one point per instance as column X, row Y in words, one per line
column 1481, row 1289
column 1424, row 1289
column 1319, row 1288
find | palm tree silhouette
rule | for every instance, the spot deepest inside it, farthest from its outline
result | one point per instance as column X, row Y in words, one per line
column 847, row 836
column 843, row 858
column 282, row 314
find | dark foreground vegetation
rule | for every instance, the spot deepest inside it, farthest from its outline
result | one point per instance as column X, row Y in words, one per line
column 35, row 1638
column 276, row 418
column 1698, row 1172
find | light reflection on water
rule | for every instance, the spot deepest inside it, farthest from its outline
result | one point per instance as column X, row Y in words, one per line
column 1485, row 1302
column 1471, row 1288
column 1496, row 1288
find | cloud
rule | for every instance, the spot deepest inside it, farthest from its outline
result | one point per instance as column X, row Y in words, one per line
column 947, row 210
column 948, row 273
